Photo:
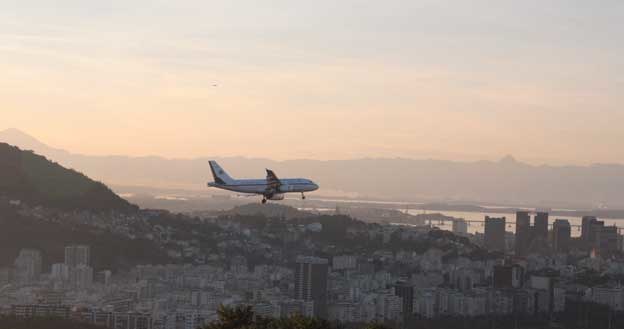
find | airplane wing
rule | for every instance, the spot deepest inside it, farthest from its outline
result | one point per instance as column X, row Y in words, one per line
column 272, row 179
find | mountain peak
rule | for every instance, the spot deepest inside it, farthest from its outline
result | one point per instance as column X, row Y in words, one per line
column 14, row 132
column 24, row 141
column 509, row 160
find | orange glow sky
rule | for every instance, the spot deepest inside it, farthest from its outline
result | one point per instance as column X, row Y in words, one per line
column 542, row 80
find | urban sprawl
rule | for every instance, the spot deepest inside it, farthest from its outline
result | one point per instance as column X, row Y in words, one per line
column 281, row 267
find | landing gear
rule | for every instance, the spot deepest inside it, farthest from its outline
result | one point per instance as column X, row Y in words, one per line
column 263, row 200
column 302, row 196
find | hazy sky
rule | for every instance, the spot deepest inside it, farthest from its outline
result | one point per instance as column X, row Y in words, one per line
column 542, row 80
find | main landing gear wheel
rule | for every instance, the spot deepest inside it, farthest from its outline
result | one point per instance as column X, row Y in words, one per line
column 263, row 201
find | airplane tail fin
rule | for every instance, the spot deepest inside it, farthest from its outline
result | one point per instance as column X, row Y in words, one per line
column 220, row 176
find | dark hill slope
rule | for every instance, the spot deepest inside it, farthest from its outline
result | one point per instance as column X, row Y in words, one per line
column 35, row 180
column 44, row 323
column 108, row 250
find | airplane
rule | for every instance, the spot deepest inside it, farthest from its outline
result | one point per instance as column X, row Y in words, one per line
column 271, row 188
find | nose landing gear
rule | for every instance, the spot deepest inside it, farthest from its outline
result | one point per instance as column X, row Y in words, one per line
column 303, row 196
column 264, row 200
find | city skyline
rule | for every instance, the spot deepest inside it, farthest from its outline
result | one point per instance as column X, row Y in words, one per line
column 323, row 81
column 343, row 287
column 93, row 258
column 361, row 164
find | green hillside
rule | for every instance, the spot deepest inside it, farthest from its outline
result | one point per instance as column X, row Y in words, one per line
column 35, row 180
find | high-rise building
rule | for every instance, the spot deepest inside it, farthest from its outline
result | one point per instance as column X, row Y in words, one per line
column 523, row 233
column 598, row 237
column 23, row 311
column 130, row 320
column 52, row 297
column 288, row 308
column 311, row 282
column 6, row 275
column 595, row 230
column 238, row 264
column 495, row 233
column 60, row 272
column 464, row 279
column 81, row 276
column 77, row 255
column 586, row 230
column 508, row 276
column 406, row 292
column 607, row 240
column 460, row 226
column 103, row 277
column 540, row 226
column 344, row 262
column 28, row 265
column 561, row 235
column 197, row 319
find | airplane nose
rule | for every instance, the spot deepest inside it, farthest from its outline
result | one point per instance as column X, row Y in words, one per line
column 315, row 186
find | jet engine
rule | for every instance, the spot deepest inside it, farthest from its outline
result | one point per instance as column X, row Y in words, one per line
column 276, row 196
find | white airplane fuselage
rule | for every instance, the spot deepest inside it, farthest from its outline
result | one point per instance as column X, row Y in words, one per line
column 260, row 186
column 271, row 188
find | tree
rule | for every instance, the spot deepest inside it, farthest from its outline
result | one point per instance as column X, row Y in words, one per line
column 242, row 317
column 233, row 318
column 375, row 325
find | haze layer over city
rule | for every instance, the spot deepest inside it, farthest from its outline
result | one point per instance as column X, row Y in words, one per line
column 325, row 164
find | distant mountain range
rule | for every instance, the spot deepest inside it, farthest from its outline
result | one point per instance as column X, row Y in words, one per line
column 33, row 179
column 507, row 181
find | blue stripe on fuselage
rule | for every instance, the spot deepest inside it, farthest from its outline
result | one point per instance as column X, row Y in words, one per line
column 257, row 187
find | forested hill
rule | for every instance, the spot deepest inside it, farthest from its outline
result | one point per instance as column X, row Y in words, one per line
column 35, row 180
